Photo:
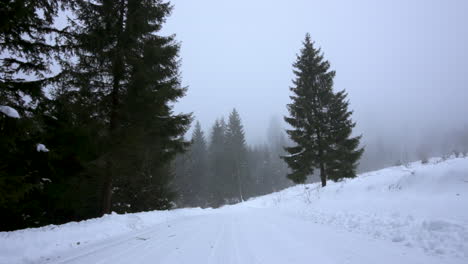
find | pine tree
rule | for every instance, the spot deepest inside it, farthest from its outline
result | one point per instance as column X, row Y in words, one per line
column 237, row 150
column 131, row 75
column 152, row 134
column 320, row 120
column 193, row 182
column 98, row 77
column 217, row 185
column 199, row 158
column 311, row 94
column 343, row 152
column 28, row 43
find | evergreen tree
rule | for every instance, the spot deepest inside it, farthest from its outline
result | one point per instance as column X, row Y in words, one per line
column 28, row 43
column 217, row 164
column 320, row 121
column 131, row 75
column 199, row 158
column 193, row 181
column 238, row 176
column 343, row 152
column 68, row 186
column 98, row 76
column 110, row 125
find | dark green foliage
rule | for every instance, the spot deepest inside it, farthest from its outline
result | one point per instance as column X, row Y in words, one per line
column 28, row 42
column 193, row 182
column 25, row 67
column 312, row 93
column 218, row 160
column 343, row 152
column 228, row 166
column 134, row 77
column 237, row 168
column 321, row 124
column 21, row 168
column 109, row 123
column 199, row 158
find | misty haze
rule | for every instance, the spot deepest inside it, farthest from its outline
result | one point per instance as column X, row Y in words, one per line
column 174, row 131
column 403, row 63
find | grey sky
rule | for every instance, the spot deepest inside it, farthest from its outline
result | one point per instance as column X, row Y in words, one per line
column 404, row 63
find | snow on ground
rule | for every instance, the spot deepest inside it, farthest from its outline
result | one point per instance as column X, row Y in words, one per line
column 422, row 206
column 408, row 214
column 29, row 245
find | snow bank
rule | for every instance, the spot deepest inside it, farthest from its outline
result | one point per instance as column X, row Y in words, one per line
column 41, row 148
column 422, row 206
column 9, row 111
column 28, row 245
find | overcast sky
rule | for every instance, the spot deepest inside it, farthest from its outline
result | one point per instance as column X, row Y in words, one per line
column 404, row 63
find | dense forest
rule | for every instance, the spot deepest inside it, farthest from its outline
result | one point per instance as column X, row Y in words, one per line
column 90, row 127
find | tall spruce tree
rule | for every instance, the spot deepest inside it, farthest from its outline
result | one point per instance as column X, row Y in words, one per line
column 199, row 161
column 193, row 182
column 217, row 164
column 131, row 76
column 320, row 122
column 238, row 176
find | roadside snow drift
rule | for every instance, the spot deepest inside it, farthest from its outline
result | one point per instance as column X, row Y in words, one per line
column 32, row 244
column 418, row 212
column 421, row 206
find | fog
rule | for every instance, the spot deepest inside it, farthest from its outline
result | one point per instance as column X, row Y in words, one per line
column 403, row 63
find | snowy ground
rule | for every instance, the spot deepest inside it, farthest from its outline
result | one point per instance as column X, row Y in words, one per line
column 413, row 214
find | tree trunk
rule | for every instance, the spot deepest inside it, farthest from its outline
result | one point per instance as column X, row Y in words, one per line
column 240, row 189
column 323, row 175
column 107, row 200
column 117, row 74
column 107, row 191
column 239, row 184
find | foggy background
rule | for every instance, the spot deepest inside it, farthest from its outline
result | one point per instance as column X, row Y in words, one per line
column 403, row 63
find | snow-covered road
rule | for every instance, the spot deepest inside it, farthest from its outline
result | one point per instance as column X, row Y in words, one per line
column 244, row 235
column 406, row 214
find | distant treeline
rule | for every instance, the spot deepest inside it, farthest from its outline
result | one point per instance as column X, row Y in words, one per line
column 222, row 169
column 381, row 153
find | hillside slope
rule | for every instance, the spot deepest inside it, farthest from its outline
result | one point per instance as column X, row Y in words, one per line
column 422, row 206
